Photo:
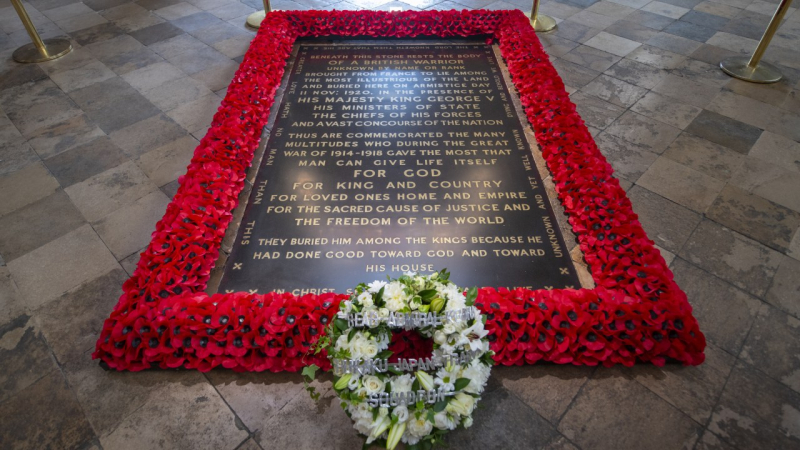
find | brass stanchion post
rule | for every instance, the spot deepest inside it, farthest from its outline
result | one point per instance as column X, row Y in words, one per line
column 752, row 69
column 540, row 22
column 38, row 50
column 254, row 20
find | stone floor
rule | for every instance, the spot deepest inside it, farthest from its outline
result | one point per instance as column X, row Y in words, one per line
column 91, row 147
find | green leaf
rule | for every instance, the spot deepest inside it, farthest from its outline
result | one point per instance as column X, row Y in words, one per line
column 430, row 416
column 439, row 406
column 427, row 294
column 415, row 385
column 472, row 294
column 379, row 296
column 461, row 383
column 310, row 371
column 340, row 324
column 384, row 354
column 351, row 334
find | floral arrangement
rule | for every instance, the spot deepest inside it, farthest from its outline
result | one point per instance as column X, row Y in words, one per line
column 386, row 404
column 164, row 319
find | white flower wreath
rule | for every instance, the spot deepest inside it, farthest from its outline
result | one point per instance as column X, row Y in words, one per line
column 411, row 400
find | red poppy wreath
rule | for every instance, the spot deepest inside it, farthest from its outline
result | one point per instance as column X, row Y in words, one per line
column 164, row 319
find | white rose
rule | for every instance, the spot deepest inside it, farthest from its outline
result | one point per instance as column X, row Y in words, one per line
column 365, row 299
column 443, row 421
column 370, row 349
column 419, row 427
column 462, row 404
column 373, row 384
column 402, row 383
column 401, row 412
column 439, row 337
column 467, row 422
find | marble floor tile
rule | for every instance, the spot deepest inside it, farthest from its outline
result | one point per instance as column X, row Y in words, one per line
column 81, row 22
column 573, row 74
column 701, row 72
column 196, row 21
column 710, row 20
column 613, row 44
column 62, row 136
column 32, row 226
column 45, row 415
column 736, row 259
column 18, row 74
column 665, row 109
column 687, row 91
column 233, row 47
column 756, row 411
column 548, row 390
column 67, row 11
column 785, row 289
column 704, row 156
column 157, row 33
column 665, row 9
column 653, row 135
column 631, row 30
column 84, row 161
column 575, row 31
column 629, row 160
column 611, row 9
column 171, row 94
column 129, row 228
column 673, row 43
column 769, row 223
column 199, row 417
column 771, row 181
column 689, row 30
column 255, row 398
column 648, row 421
column 596, row 112
column 637, row 73
column 97, row 33
column 725, row 314
column 129, row 61
column 681, row 184
column 614, row 91
column 152, row 76
column 592, row 20
column 87, row 307
column 197, row 114
column 725, row 131
column 734, row 43
column 108, row 191
column 591, row 58
column 108, row 397
column 141, row 137
column 556, row 46
column 303, row 413
column 217, row 77
column 114, row 117
column 176, row 11
column 667, row 223
column 636, row 4
column 25, row 186
column 26, row 357
column 711, row 54
column 37, row 105
column 649, row 19
column 47, row 272
column 557, row 9
column 693, row 390
column 773, row 345
column 656, row 57
column 717, row 9
column 166, row 163
column 521, row 427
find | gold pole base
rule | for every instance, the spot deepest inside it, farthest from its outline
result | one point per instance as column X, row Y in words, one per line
column 254, row 20
column 736, row 66
column 54, row 48
column 543, row 24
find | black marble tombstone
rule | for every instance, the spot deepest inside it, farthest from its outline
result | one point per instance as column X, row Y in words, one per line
column 393, row 158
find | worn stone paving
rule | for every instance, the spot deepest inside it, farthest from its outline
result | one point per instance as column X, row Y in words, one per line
column 91, row 146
